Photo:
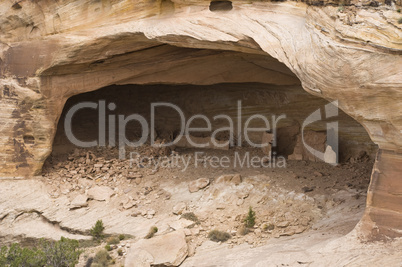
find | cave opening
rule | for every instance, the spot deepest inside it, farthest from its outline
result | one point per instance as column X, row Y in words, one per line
column 356, row 151
column 220, row 6
column 286, row 106
column 286, row 181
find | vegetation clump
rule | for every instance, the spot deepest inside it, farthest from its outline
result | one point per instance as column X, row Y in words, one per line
column 113, row 240
column 15, row 255
column 64, row 253
column 152, row 231
column 61, row 253
column 243, row 230
column 268, row 227
column 190, row 216
column 218, row 236
column 250, row 219
column 101, row 259
column 97, row 230
column 120, row 252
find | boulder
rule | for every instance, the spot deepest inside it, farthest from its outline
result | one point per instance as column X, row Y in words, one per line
column 229, row 178
column 179, row 208
column 165, row 250
column 330, row 156
column 140, row 258
column 198, row 184
column 129, row 204
column 100, row 193
column 283, row 224
column 181, row 224
column 236, row 179
column 151, row 212
column 79, row 201
column 224, row 178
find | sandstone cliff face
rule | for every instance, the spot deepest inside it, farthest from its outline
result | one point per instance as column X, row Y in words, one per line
column 50, row 51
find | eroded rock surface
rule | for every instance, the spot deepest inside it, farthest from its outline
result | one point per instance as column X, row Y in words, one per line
column 166, row 250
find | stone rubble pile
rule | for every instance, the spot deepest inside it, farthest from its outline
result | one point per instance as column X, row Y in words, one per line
column 88, row 177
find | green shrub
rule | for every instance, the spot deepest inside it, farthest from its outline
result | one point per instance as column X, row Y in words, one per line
column 250, row 219
column 108, row 247
column 16, row 256
column 3, row 255
column 97, row 230
column 64, row 252
column 400, row 20
column 152, row 231
column 122, row 237
column 101, row 259
column 190, row 216
column 218, row 236
column 268, row 227
column 398, row 10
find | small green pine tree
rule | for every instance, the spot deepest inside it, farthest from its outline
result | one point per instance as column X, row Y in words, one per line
column 97, row 230
column 250, row 219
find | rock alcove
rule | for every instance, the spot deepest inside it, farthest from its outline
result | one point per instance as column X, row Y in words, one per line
column 287, row 106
